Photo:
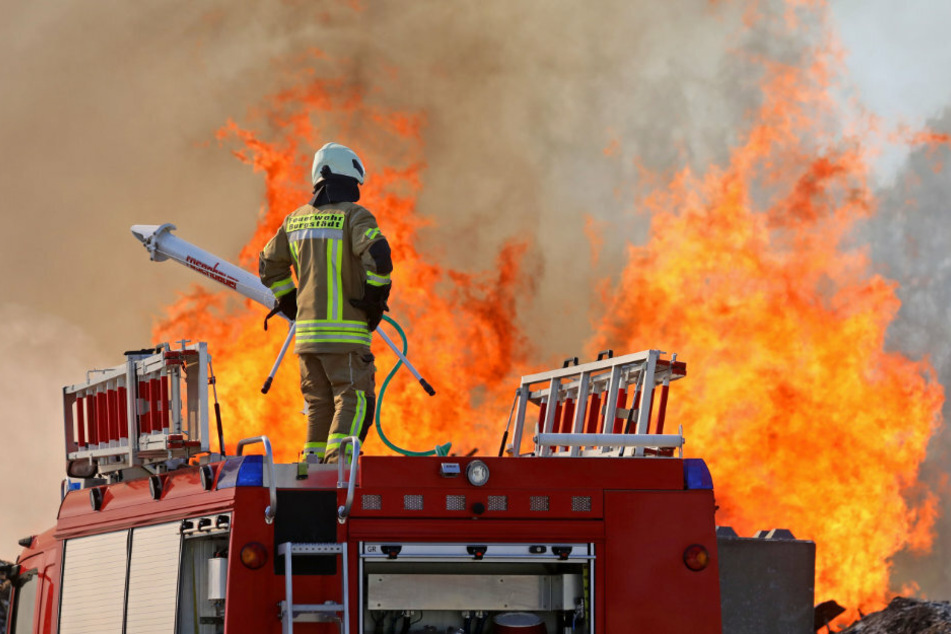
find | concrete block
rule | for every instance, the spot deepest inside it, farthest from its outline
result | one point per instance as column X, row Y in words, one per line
column 767, row 583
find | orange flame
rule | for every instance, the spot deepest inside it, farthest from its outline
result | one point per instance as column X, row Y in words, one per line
column 462, row 326
column 806, row 422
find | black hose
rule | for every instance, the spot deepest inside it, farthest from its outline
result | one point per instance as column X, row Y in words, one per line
column 213, row 381
column 505, row 436
column 221, row 439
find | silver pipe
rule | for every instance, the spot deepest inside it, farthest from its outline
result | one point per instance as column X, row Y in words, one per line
column 271, row 511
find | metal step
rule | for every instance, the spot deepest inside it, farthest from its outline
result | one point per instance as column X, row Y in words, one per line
column 328, row 611
column 301, row 608
column 311, row 549
column 315, row 612
column 317, row 617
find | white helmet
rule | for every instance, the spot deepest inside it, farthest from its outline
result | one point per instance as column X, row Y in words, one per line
column 338, row 159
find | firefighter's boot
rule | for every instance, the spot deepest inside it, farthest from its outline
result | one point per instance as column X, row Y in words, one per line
column 313, row 452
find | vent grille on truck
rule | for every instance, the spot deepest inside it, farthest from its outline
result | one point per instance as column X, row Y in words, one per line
column 498, row 503
column 538, row 503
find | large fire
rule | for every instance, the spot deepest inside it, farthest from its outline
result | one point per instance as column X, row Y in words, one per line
column 804, row 418
column 806, row 421
column 462, row 326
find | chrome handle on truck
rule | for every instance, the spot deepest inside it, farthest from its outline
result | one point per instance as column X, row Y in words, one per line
column 343, row 512
column 271, row 511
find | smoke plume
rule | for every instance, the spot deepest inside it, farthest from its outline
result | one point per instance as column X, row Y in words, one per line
column 539, row 120
column 41, row 353
column 910, row 242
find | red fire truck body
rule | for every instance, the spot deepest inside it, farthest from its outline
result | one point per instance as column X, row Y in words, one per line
column 608, row 534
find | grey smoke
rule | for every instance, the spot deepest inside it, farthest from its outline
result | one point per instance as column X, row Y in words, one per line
column 910, row 242
column 41, row 353
column 108, row 114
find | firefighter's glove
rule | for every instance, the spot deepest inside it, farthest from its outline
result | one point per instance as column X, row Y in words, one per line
column 373, row 304
column 287, row 304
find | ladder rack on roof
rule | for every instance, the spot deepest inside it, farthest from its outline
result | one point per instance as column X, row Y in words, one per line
column 584, row 411
column 152, row 408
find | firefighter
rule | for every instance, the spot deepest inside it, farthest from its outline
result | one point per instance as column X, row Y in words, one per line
column 342, row 263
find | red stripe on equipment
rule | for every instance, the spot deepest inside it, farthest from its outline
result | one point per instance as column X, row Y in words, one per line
column 594, row 411
column 165, row 404
column 568, row 416
column 650, row 412
column 618, row 426
column 155, row 393
column 662, row 408
column 142, row 408
column 113, row 400
column 102, row 417
column 90, row 400
column 123, row 400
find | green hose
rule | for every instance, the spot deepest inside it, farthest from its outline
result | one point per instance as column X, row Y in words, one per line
column 440, row 450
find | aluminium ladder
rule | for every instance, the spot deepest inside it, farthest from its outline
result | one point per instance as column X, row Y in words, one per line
column 150, row 409
column 584, row 409
column 320, row 612
column 291, row 612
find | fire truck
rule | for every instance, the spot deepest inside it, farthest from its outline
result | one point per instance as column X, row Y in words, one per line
column 589, row 519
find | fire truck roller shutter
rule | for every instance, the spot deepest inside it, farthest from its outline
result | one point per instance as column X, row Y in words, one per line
column 153, row 579
column 94, row 581
column 93, row 593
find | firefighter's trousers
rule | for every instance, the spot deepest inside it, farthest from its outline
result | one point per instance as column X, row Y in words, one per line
column 338, row 390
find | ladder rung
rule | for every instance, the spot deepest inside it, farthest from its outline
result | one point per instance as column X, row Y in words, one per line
column 304, row 608
column 316, row 617
column 311, row 549
column 312, row 612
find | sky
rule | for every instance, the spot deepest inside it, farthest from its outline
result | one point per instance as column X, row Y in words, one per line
column 109, row 113
column 895, row 59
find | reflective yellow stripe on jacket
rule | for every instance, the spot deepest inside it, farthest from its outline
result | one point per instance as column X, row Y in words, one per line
column 334, row 283
column 282, row 287
column 377, row 280
column 332, row 331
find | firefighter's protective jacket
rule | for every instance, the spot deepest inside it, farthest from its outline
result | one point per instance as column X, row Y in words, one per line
column 328, row 248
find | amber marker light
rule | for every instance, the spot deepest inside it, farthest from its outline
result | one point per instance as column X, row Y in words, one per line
column 253, row 555
column 696, row 557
